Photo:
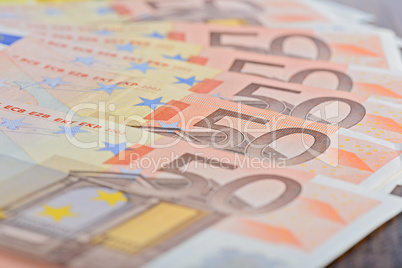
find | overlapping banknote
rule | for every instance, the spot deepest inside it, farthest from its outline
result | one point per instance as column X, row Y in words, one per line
column 205, row 133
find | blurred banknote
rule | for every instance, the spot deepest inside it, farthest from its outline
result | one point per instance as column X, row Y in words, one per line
column 107, row 207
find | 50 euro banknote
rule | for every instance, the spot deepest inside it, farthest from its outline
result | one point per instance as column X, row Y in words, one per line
column 86, row 91
column 368, row 48
column 197, row 10
column 373, row 117
column 165, row 69
column 269, row 13
column 85, row 12
column 86, row 192
column 263, row 134
column 109, row 28
column 359, row 80
column 149, row 44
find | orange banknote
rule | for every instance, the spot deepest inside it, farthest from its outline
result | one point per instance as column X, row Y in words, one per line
column 63, row 87
column 321, row 74
column 373, row 117
column 359, row 80
column 109, row 213
column 368, row 48
column 264, row 12
column 263, row 134
column 83, row 12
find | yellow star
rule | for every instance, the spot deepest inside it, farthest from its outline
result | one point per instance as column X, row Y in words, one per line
column 57, row 214
column 2, row 215
column 110, row 198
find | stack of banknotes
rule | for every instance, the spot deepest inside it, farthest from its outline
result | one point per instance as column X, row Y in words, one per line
column 194, row 133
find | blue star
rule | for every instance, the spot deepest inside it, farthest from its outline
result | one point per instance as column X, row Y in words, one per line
column 143, row 67
column 2, row 83
column 104, row 32
column 53, row 82
column 189, row 81
column 155, row 35
column 171, row 127
column 104, row 10
column 217, row 95
column 53, row 11
column 13, row 124
column 131, row 172
column 8, row 15
column 150, row 103
column 127, row 47
column 114, row 148
column 88, row 61
column 107, row 88
column 177, row 57
column 71, row 131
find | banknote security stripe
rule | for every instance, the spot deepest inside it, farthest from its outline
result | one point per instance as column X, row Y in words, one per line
column 152, row 226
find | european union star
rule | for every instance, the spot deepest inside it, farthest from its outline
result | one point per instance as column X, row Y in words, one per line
column 169, row 127
column 176, row 57
column 126, row 47
column 188, row 81
column 143, row 67
column 155, row 35
column 3, row 84
column 13, row 124
column 114, row 148
column 53, row 82
column 71, row 131
column 88, row 61
column 104, row 10
column 107, row 88
column 150, row 103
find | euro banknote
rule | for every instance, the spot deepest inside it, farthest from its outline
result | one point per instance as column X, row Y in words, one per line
column 109, row 212
column 197, row 10
column 369, row 116
column 71, row 13
column 364, row 48
column 371, row 48
column 110, row 28
column 59, row 86
column 368, row 82
column 314, row 147
column 164, row 69
column 85, row 92
column 149, row 44
column 131, row 135
column 373, row 117
column 268, row 13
